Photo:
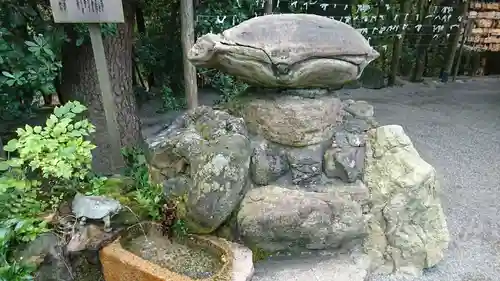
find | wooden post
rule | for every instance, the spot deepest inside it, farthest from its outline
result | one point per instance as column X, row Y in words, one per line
column 94, row 12
column 108, row 101
column 268, row 7
column 468, row 28
column 187, row 31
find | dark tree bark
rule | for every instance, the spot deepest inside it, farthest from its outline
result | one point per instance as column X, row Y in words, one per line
column 397, row 47
column 423, row 42
column 460, row 10
column 141, row 25
column 2, row 152
column 79, row 81
column 268, row 7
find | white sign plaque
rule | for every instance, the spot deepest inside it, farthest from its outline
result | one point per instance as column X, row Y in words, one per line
column 87, row 11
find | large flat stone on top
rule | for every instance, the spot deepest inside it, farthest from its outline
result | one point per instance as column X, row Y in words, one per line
column 341, row 267
column 292, row 120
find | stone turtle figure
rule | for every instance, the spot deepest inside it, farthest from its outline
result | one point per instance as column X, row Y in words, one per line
column 287, row 51
column 95, row 208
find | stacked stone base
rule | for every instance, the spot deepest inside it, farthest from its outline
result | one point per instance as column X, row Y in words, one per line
column 306, row 171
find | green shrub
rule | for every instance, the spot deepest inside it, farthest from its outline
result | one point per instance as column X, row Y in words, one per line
column 44, row 166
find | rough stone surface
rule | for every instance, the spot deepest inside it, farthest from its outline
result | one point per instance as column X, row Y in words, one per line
column 287, row 50
column 344, row 163
column 267, row 163
column 47, row 252
column 359, row 109
column 345, row 158
column 275, row 218
column 90, row 237
column 203, row 159
column 293, row 120
column 408, row 231
column 357, row 184
column 243, row 269
column 450, row 126
column 306, row 93
column 341, row 266
column 306, row 164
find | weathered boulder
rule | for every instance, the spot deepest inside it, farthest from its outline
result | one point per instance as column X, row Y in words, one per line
column 47, row 253
column 345, row 158
column 286, row 50
column 306, row 164
column 408, row 230
column 203, row 160
column 242, row 262
column 345, row 163
column 274, row 218
column 292, row 120
column 268, row 163
column 358, row 109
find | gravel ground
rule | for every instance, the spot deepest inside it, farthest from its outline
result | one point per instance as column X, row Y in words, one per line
column 456, row 128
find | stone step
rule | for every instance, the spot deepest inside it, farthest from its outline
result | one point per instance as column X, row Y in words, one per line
column 314, row 267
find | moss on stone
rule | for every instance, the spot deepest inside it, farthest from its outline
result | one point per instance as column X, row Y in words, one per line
column 181, row 213
column 258, row 254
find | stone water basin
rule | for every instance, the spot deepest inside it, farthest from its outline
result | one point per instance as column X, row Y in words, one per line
column 152, row 257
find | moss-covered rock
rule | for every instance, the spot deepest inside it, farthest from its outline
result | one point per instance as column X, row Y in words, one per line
column 202, row 159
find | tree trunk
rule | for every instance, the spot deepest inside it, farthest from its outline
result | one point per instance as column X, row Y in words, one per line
column 397, row 47
column 423, row 43
column 268, row 7
column 2, row 152
column 57, row 83
column 79, row 81
column 141, row 25
column 460, row 10
column 467, row 30
column 141, row 28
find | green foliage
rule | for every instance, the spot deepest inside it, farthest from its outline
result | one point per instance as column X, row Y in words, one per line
column 29, row 70
column 13, row 232
column 52, row 162
column 107, row 29
column 19, row 208
column 171, row 102
column 180, row 228
column 159, row 48
column 29, row 56
column 148, row 195
column 47, row 158
column 228, row 86
column 58, row 150
column 19, row 196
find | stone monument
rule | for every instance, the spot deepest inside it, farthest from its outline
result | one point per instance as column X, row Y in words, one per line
column 293, row 167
